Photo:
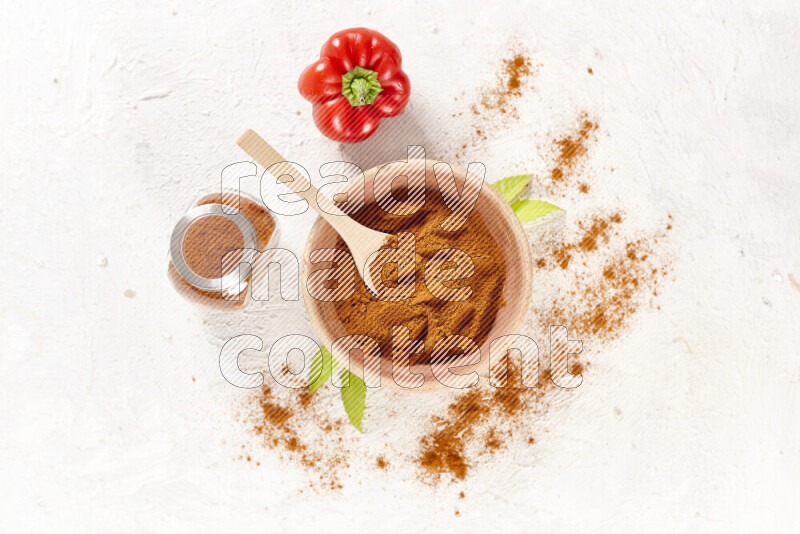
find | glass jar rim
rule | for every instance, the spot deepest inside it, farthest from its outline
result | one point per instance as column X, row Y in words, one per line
column 226, row 281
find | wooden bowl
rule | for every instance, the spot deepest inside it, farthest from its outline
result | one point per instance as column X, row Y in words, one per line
column 507, row 231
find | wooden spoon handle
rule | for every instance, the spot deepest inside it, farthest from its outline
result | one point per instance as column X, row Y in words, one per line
column 361, row 240
column 280, row 167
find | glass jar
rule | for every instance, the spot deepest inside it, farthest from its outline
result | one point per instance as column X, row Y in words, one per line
column 214, row 246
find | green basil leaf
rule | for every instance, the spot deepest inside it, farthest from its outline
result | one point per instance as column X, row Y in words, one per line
column 354, row 391
column 530, row 210
column 321, row 368
column 512, row 186
column 354, row 397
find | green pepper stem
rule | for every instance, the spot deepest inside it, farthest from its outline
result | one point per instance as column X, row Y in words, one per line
column 360, row 86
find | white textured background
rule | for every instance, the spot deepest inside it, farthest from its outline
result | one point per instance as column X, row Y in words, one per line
column 114, row 115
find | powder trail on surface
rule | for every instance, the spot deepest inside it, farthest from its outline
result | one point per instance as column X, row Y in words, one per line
column 297, row 429
column 496, row 103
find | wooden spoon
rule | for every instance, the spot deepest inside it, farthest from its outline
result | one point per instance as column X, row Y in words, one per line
column 361, row 240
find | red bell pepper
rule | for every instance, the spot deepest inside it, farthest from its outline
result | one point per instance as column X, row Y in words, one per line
column 356, row 82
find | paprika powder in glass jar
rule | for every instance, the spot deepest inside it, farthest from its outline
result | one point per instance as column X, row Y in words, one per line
column 214, row 246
